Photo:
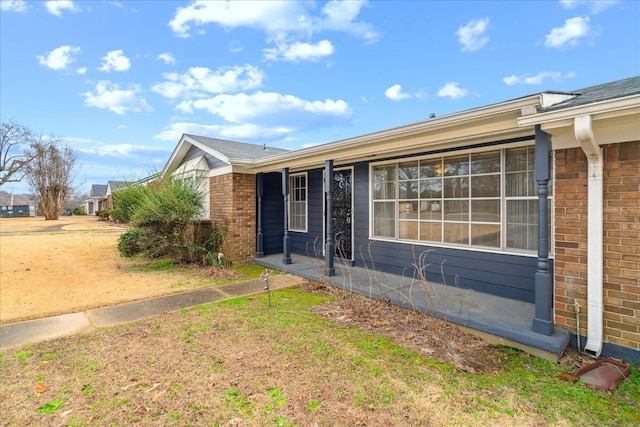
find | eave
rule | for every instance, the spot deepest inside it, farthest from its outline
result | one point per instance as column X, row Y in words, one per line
column 491, row 123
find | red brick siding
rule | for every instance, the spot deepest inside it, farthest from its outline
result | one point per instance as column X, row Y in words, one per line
column 233, row 205
column 621, row 241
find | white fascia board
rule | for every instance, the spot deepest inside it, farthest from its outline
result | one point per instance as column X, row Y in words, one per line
column 183, row 147
column 478, row 125
column 598, row 110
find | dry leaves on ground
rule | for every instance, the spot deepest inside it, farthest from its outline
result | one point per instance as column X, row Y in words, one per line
column 410, row 329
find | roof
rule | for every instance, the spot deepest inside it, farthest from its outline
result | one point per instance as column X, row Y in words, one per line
column 238, row 150
column 114, row 185
column 98, row 190
column 598, row 93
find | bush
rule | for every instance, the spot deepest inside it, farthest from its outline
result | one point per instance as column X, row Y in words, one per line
column 134, row 241
column 103, row 214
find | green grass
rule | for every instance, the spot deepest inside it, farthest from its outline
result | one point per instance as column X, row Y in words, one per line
column 200, row 366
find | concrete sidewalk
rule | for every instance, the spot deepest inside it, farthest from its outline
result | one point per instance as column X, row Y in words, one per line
column 31, row 331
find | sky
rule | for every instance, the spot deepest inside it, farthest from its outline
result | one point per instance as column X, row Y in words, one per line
column 121, row 81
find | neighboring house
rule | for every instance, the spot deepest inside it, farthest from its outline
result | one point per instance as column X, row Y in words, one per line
column 113, row 186
column 98, row 199
column 468, row 192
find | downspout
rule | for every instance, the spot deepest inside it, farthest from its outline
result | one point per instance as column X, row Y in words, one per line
column 595, row 161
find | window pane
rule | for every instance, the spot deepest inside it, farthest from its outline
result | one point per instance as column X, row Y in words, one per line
column 431, row 210
column 408, row 230
column 485, row 186
column 516, row 160
column 485, row 162
column 431, row 231
column 408, row 210
column 408, row 170
column 431, row 188
column 456, row 187
column 522, row 224
column 485, row 210
column 384, row 219
column 517, row 184
column 384, row 182
column 485, row 235
column 430, row 168
column 458, row 165
column 456, row 210
column 456, row 233
column 408, row 189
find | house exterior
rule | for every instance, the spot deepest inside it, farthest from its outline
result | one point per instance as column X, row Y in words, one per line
column 535, row 199
column 112, row 186
column 97, row 199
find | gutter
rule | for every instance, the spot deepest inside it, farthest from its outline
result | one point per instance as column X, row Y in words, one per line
column 595, row 160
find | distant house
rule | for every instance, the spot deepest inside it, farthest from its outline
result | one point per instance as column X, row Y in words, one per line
column 97, row 200
column 113, row 186
column 534, row 199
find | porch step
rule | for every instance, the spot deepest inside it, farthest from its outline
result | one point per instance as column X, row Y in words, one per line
column 496, row 319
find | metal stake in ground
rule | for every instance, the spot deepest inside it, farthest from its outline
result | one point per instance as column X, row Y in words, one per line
column 265, row 276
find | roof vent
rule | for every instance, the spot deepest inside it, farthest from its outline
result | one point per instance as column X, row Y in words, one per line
column 432, row 115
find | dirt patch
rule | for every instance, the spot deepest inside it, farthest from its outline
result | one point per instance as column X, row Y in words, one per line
column 72, row 264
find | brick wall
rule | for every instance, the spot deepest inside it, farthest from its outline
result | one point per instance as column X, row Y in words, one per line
column 233, row 205
column 621, row 242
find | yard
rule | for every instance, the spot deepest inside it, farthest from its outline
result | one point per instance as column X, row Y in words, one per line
column 315, row 356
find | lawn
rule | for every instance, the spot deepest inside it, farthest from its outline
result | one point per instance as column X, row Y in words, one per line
column 312, row 357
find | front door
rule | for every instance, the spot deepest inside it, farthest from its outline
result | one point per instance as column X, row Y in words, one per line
column 341, row 213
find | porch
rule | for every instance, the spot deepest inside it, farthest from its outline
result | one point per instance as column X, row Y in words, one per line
column 496, row 319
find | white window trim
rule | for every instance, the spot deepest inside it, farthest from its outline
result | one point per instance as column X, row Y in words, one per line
column 306, row 203
column 485, row 249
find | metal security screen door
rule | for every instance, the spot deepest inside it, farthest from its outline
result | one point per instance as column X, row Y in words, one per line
column 341, row 213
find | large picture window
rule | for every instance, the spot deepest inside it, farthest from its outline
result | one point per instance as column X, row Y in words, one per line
column 298, row 202
column 487, row 199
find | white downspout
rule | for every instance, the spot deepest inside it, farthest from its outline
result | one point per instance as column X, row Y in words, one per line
column 595, row 160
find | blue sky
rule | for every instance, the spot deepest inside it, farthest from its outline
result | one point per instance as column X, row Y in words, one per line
column 121, row 81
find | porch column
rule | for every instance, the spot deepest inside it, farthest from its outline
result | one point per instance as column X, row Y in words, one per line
column 286, row 249
column 329, row 269
column 259, row 236
column 543, row 320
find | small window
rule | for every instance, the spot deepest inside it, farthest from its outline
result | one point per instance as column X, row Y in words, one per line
column 298, row 202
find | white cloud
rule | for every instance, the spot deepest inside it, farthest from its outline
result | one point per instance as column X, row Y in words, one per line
column 537, row 79
column 81, row 70
column 120, row 150
column 167, row 58
column 472, row 36
column 269, row 108
column 595, row 6
column 395, row 93
column 451, row 90
column 300, row 51
column 244, row 132
column 200, row 81
column 55, row 7
column 573, row 29
column 59, row 58
column 115, row 61
column 13, row 5
column 276, row 18
column 109, row 96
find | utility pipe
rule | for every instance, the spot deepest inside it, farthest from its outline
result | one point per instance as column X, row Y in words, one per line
column 595, row 160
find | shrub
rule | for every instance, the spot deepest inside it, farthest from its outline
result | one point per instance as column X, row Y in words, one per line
column 103, row 214
column 134, row 241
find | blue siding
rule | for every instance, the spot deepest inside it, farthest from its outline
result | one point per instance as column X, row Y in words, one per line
column 507, row 275
column 272, row 214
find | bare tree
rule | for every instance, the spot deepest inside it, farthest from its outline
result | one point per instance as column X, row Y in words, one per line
column 51, row 174
column 15, row 138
